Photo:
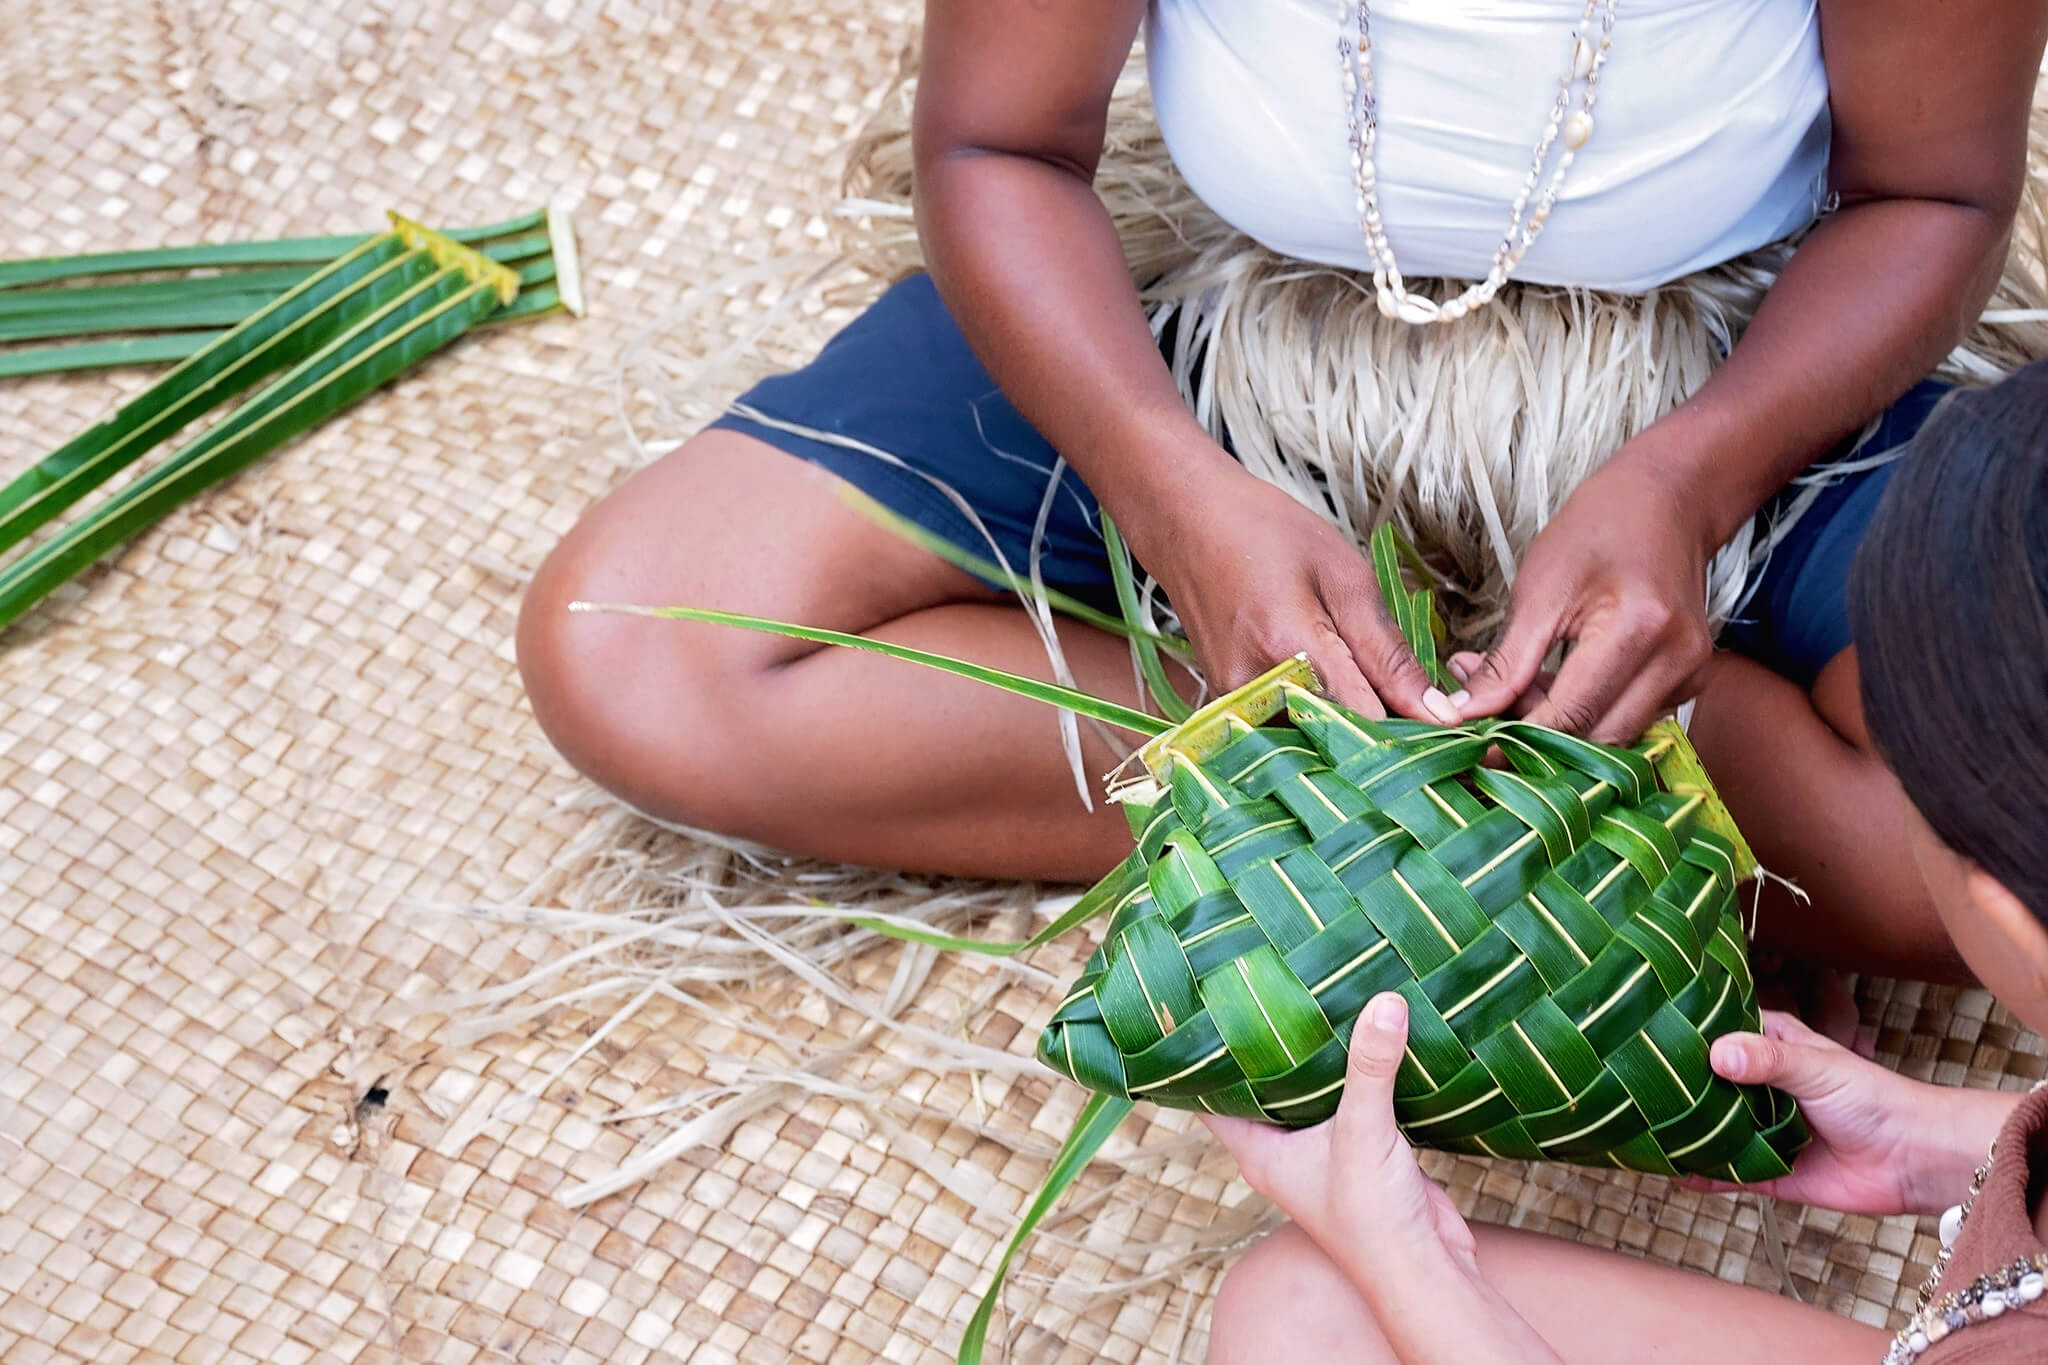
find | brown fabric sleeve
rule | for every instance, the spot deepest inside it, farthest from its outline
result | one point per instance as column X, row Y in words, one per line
column 2001, row 1229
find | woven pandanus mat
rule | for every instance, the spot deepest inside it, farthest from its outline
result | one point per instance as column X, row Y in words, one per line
column 250, row 772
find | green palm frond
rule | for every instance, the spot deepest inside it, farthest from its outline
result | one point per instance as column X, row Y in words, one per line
column 344, row 330
column 172, row 302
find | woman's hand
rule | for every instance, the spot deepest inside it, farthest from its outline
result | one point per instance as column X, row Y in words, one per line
column 1881, row 1143
column 1257, row 578
column 1874, row 296
column 1620, row 572
column 1353, row 1185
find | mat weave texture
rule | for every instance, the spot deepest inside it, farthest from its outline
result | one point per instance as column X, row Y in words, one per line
column 250, row 771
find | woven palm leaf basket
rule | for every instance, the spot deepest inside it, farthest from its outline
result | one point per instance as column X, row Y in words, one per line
column 1563, row 927
column 1560, row 915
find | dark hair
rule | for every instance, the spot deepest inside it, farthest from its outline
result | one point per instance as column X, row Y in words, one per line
column 1948, row 602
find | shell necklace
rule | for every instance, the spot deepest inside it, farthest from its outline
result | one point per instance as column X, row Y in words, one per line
column 1525, row 223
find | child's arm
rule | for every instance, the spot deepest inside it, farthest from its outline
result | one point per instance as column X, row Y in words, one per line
column 1882, row 1144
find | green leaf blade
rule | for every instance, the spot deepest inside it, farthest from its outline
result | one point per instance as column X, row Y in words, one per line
column 1097, row 1120
column 91, row 318
column 277, row 336
column 1067, row 699
column 157, row 349
column 269, row 283
column 1414, row 612
column 309, row 251
column 1144, row 643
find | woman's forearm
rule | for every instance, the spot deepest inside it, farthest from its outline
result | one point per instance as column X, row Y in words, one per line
column 1871, row 301
column 1012, row 105
column 1028, row 260
column 1928, row 149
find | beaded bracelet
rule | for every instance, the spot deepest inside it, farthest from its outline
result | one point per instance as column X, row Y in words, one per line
column 1991, row 1295
column 1988, row 1296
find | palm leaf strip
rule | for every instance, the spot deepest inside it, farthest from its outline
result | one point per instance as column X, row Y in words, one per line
column 304, row 251
column 154, row 320
column 1144, row 644
column 352, row 327
column 989, row 571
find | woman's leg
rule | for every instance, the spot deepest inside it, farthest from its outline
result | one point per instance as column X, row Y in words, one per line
column 818, row 750
column 1819, row 806
column 1594, row 1307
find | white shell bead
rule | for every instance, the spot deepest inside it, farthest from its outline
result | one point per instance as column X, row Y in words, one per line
column 1416, row 310
column 1388, row 304
column 1993, row 1305
column 1582, row 59
column 2033, row 1286
column 1951, row 1225
column 1577, row 129
column 1918, row 1342
column 1454, row 309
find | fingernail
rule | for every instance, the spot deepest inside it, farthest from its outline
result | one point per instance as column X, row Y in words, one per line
column 1729, row 1058
column 1461, row 698
column 1389, row 1012
column 1458, row 669
column 1439, row 705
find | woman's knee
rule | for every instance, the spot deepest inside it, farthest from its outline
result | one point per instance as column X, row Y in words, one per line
column 644, row 708
column 667, row 714
column 589, row 677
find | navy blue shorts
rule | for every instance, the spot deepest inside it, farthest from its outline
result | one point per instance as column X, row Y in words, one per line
column 902, row 379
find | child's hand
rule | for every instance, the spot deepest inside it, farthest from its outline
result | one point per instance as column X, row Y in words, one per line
column 1881, row 1143
column 1352, row 1183
column 1353, row 1186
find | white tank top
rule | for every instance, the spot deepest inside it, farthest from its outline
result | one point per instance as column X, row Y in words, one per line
column 1710, row 134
